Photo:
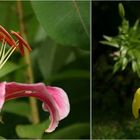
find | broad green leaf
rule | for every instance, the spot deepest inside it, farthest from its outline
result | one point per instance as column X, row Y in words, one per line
column 18, row 107
column 74, row 131
column 32, row 131
column 66, row 22
column 52, row 57
column 69, row 74
column 8, row 68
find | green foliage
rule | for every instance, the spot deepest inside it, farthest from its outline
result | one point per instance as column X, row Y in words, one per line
column 58, row 33
column 8, row 68
column 32, row 131
column 127, row 44
column 65, row 22
column 115, row 130
column 2, row 138
column 70, row 74
column 107, row 131
column 74, row 131
column 15, row 108
column 50, row 57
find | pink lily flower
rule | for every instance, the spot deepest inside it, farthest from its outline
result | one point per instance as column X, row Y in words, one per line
column 55, row 99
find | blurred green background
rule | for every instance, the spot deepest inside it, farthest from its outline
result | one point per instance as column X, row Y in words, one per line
column 113, row 92
column 59, row 35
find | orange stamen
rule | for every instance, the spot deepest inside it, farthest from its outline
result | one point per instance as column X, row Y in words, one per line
column 7, row 37
column 21, row 42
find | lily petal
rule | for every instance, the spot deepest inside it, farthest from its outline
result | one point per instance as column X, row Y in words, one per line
column 2, row 94
column 136, row 103
column 61, row 100
column 52, row 102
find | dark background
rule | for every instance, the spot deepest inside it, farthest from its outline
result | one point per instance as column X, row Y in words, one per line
column 113, row 93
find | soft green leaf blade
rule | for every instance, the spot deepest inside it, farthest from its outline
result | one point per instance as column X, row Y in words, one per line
column 2, row 138
column 8, row 68
column 18, row 107
column 51, row 57
column 124, row 63
column 66, row 22
column 32, row 131
column 111, row 43
column 134, row 66
column 136, row 25
column 74, row 131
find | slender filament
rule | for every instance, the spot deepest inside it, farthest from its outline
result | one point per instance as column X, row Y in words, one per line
column 5, row 54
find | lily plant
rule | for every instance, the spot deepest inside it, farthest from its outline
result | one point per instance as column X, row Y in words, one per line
column 55, row 99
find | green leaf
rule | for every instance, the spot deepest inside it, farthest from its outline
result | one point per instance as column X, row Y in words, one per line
column 66, row 22
column 69, row 74
column 108, row 38
column 124, row 63
column 2, row 138
column 18, row 107
column 8, row 68
column 74, row 131
column 134, row 66
column 51, row 59
column 117, row 66
column 32, row 131
column 135, row 27
column 110, row 43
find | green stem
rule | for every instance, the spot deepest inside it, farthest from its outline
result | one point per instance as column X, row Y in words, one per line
column 29, row 72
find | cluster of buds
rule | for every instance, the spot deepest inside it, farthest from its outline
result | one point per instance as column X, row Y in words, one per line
column 17, row 44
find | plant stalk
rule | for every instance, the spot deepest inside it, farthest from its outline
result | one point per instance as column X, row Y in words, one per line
column 29, row 72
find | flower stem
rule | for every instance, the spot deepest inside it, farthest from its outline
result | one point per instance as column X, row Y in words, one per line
column 29, row 72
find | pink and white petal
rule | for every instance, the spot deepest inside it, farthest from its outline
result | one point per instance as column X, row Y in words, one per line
column 16, row 90
column 2, row 94
column 54, row 117
column 61, row 100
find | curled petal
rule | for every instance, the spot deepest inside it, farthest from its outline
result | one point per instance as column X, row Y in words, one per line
column 48, row 95
column 136, row 103
column 61, row 100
